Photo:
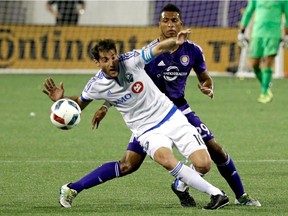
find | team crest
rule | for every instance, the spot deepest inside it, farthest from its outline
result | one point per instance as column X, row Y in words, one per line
column 184, row 60
column 129, row 77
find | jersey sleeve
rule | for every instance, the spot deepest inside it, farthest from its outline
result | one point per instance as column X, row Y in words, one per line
column 88, row 92
column 200, row 64
column 249, row 10
column 140, row 57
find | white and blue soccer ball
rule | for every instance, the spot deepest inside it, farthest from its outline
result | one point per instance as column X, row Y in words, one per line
column 65, row 114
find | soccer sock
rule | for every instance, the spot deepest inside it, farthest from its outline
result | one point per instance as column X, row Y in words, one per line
column 229, row 172
column 266, row 79
column 103, row 173
column 258, row 74
column 179, row 185
column 193, row 179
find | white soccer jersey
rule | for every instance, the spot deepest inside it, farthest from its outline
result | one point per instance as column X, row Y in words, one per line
column 133, row 94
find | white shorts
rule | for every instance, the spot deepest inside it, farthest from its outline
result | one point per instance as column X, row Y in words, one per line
column 176, row 131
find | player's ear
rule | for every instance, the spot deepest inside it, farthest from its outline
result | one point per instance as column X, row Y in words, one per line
column 96, row 62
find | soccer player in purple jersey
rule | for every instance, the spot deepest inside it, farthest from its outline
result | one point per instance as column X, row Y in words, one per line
column 169, row 71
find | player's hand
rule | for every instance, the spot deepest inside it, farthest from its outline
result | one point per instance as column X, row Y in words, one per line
column 242, row 40
column 182, row 36
column 205, row 90
column 285, row 42
column 52, row 91
column 98, row 116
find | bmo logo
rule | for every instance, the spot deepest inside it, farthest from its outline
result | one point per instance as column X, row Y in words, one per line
column 137, row 87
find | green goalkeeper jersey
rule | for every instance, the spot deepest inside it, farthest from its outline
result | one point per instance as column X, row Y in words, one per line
column 267, row 17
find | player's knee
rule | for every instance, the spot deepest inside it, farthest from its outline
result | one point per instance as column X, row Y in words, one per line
column 201, row 161
column 203, row 168
column 128, row 167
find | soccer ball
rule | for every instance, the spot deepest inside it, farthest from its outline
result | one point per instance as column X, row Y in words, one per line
column 65, row 114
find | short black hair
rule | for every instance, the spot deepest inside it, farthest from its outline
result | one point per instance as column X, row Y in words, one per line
column 102, row 45
column 171, row 8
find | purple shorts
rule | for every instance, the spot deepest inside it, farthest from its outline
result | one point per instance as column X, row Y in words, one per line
column 196, row 122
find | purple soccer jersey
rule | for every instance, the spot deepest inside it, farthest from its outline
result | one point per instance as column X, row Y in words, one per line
column 169, row 71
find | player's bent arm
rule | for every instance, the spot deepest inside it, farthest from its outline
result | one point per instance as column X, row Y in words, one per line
column 205, row 79
column 206, row 84
column 100, row 114
column 106, row 105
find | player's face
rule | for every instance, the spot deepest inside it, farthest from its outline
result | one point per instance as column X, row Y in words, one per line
column 170, row 24
column 108, row 62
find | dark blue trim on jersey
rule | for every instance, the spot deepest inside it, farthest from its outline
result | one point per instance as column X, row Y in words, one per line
column 84, row 99
column 126, row 56
column 171, row 112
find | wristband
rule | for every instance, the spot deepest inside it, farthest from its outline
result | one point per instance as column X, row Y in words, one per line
column 106, row 107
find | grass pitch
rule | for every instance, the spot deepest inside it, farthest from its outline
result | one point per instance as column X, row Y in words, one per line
column 36, row 158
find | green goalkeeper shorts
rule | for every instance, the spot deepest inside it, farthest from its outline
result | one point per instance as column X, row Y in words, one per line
column 262, row 47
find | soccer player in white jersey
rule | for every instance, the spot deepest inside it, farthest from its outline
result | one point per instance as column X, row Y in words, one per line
column 154, row 120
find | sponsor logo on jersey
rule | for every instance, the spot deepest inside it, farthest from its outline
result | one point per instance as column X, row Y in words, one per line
column 123, row 99
column 184, row 60
column 137, row 87
column 172, row 73
column 161, row 63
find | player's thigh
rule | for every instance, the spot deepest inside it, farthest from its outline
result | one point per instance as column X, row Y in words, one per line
column 184, row 136
column 200, row 126
column 154, row 140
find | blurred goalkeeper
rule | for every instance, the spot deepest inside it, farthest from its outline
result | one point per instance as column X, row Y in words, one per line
column 265, row 39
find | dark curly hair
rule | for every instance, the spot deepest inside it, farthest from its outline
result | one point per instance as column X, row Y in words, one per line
column 102, row 45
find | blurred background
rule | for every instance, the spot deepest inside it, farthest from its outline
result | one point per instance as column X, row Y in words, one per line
column 32, row 42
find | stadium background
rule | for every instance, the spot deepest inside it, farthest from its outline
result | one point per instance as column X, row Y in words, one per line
column 30, row 42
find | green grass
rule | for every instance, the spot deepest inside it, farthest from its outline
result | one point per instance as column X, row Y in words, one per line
column 36, row 158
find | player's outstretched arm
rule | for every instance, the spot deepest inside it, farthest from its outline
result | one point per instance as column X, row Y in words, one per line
column 53, row 92
column 170, row 43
